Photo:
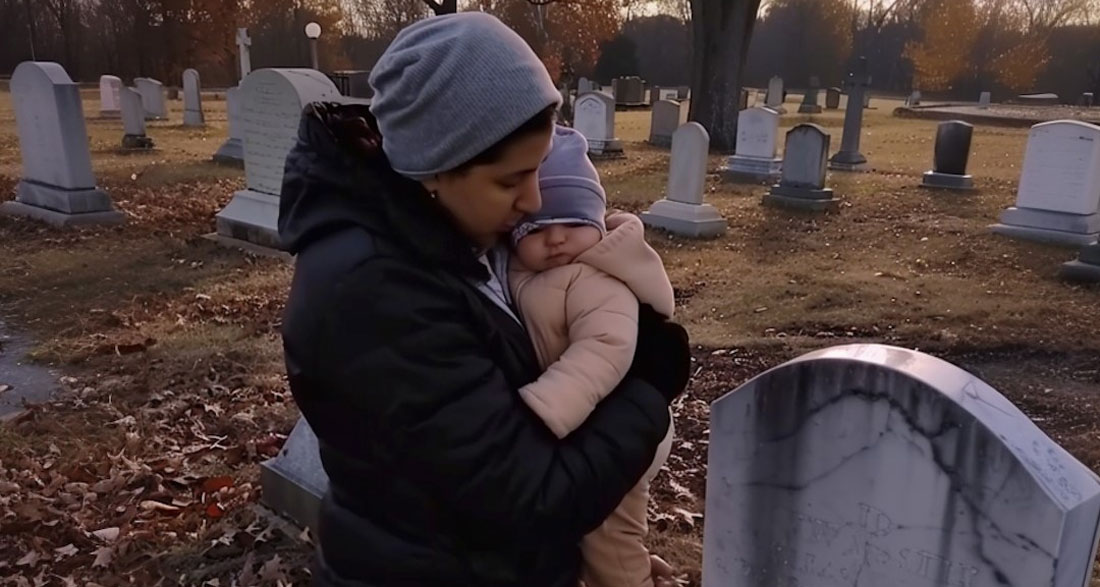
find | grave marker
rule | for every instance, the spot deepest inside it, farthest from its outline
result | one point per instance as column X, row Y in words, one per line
column 1058, row 200
column 192, row 99
column 849, row 158
column 667, row 116
column 110, row 103
column 984, row 100
column 243, row 44
column 294, row 481
column 272, row 102
column 57, row 184
column 594, row 117
column 133, row 121
column 232, row 150
column 682, row 211
column 913, row 99
column 809, row 99
column 952, row 152
column 774, row 98
column 152, row 98
column 869, row 465
column 754, row 158
column 802, row 183
column 832, row 98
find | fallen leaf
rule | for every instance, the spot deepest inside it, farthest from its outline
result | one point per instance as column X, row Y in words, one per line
column 215, row 484
column 150, row 505
column 273, row 570
column 29, row 560
column 67, row 581
column 4, row 388
column 214, row 510
column 103, row 556
column 67, row 550
column 107, row 534
column 8, row 487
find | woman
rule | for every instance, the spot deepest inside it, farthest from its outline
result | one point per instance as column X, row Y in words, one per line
column 402, row 347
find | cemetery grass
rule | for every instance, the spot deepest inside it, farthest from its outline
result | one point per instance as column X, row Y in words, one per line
column 145, row 469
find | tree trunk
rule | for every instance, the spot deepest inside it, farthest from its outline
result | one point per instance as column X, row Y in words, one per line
column 722, row 30
column 442, row 6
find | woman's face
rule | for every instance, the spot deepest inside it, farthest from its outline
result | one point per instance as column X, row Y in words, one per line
column 489, row 200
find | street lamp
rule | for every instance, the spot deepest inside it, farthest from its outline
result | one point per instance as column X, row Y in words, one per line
column 313, row 31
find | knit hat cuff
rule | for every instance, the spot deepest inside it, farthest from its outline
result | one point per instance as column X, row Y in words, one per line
column 526, row 228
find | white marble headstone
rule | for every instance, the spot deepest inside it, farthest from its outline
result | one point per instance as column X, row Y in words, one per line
column 687, row 170
column 271, row 107
column 594, row 116
column 873, row 466
column 57, row 185
column 152, row 97
column 775, row 92
column 665, row 118
column 133, row 114
column 805, row 157
column 1061, row 169
column 192, row 99
column 757, row 132
column 53, row 140
column 110, row 103
column 984, row 99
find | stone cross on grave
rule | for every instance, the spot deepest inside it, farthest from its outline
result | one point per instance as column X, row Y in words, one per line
column 849, row 158
column 243, row 43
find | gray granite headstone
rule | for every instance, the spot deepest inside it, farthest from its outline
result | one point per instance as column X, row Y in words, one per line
column 192, row 99
column 628, row 91
column 152, row 98
column 913, row 99
column 802, row 183
column 832, row 98
column 666, row 117
column 1087, row 99
column 133, row 121
column 110, row 103
column 232, row 150
column 858, row 84
column 873, row 466
column 1058, row 199
column 294, row 481
column 754, row 159
column 952, row 152
column 271, row 108
column 809, row 99
column 1086, row 267
column 984, row 100
column 594, row 117
column 57, row 184
column 682, row 211
column 774, row 98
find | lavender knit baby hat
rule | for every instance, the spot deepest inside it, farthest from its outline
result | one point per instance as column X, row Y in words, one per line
column 570, row 186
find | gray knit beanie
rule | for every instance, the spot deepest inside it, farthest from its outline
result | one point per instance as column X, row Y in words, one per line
column 570, row 187
column 449, row 87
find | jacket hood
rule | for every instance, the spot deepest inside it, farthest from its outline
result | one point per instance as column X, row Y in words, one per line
column 337, row 177
column 624, row 255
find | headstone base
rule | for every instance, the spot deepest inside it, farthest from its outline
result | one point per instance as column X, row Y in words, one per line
column 81, row 201
column 251, row 217
column 150, row 116
column 605, row 148
column 294, row 481
column 801, row 198
column 1050, row 227
column 230, row 153
column 809, row 109
column 691, row 220
column 61, row 219
column 779, row 109
column 110, row 114
column 193, row 118
column 947, row 181
column 137, row 142
column 1081, row 270
column 663, row 141
column 848, row 162
column 740, row 168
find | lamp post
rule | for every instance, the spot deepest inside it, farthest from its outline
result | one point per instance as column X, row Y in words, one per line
column 313, row 31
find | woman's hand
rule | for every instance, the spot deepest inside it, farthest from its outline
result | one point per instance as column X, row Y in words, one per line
column 663, row 356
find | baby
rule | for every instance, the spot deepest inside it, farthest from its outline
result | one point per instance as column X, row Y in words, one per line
column 577, row 283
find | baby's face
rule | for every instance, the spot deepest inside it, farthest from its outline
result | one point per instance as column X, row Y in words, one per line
column 555, row 245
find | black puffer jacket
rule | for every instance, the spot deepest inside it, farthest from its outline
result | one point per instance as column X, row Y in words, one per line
column 440, row 475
